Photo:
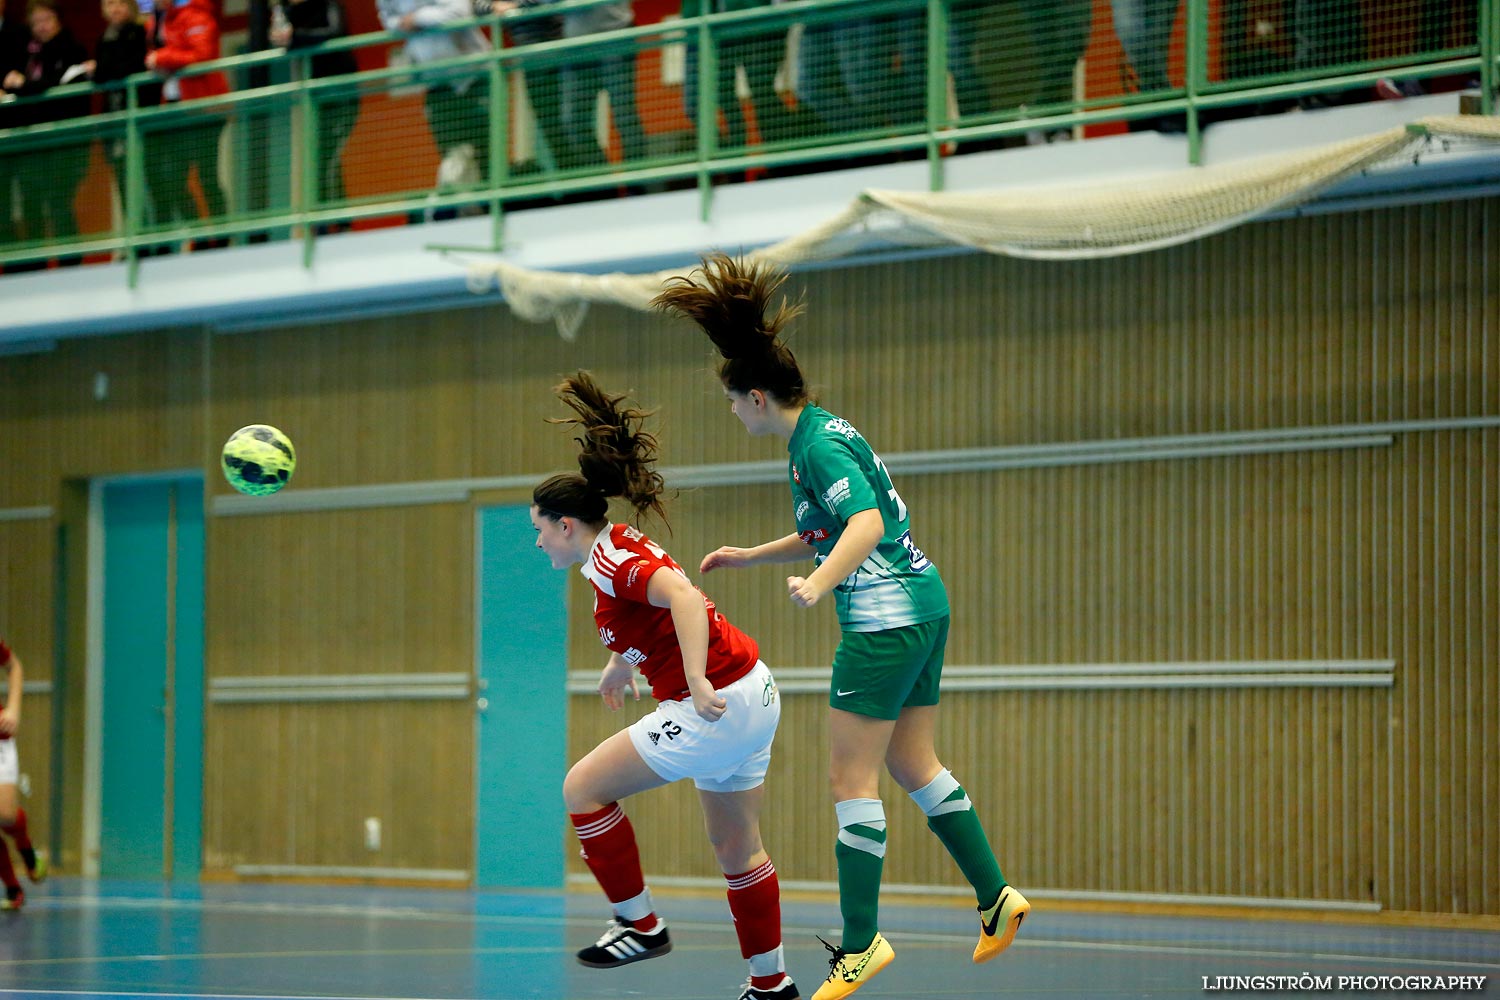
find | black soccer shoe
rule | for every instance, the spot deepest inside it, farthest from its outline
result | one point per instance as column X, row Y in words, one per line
column 622, row 944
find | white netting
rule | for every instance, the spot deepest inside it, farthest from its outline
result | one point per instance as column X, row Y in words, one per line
column 1072, row 221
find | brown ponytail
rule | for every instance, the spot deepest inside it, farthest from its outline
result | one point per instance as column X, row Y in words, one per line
column 615, row 459
column 731, row 301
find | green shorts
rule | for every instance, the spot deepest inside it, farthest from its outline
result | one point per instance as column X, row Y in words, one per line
column 879, row 673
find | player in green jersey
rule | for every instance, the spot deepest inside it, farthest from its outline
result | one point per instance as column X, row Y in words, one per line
column 892, row 609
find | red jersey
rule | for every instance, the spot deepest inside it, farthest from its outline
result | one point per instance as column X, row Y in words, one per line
column 619, row 566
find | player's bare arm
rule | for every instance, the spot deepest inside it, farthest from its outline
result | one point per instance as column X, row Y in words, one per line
column 674, row 591
column 861, row 534
column 788, row 548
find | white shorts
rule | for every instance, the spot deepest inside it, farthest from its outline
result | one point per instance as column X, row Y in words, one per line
column 10, row 771
column 730, row 755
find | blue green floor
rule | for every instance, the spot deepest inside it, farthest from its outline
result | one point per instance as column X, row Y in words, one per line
column 79, row 938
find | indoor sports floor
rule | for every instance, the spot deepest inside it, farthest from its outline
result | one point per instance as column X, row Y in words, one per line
column 117, row 939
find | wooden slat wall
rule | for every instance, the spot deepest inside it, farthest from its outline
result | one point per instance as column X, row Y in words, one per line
column 1388, row 552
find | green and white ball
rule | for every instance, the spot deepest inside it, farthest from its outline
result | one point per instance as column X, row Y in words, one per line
column 258, row 460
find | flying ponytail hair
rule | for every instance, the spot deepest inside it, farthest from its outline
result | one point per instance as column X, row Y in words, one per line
column 731, row 301
column 615, row 458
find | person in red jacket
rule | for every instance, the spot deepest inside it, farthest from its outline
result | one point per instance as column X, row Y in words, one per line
column 12, row 816
column 183, row 33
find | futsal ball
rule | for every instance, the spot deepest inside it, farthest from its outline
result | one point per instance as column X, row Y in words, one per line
column 258, row 460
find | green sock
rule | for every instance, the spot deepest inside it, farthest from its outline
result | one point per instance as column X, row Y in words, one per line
column 963, row 836
column 860, row 852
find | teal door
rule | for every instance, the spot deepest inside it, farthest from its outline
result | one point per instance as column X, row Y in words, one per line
column 522, row 728
column 151, row 761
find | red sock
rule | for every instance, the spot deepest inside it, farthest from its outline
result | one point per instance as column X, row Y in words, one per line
column 608, row 842
column 7, row 871
column 755, row 902
column 18, row 831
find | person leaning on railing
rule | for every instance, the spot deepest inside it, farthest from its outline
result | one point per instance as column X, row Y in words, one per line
column 613, row 72
column 120, row 52
column 183, row 33
column 457, row 104
column 543, row 75
column 761, row 56
column 313, row 22
column 47, row 176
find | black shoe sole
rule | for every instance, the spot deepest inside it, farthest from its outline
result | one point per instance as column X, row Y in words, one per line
column 615, row 964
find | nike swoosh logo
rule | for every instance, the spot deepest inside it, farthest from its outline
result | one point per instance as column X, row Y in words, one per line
column 852, row 975
column 993, row 922
column 841, row 692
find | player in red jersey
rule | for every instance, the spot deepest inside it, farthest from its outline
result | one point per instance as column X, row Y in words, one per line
column 12, row 816
column 717, row 710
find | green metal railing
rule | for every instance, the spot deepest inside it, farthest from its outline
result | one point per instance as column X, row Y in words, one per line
column 872, row 79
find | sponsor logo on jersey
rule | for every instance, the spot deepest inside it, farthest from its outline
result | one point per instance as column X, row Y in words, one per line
column 633, row 656
column 813, row 535
column 607, row 636
column 802, row 506
column 635, row 571
column 796, row 477
column 837, row 493
column 838, row 425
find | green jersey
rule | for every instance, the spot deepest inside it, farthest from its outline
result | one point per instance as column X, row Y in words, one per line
column 835, row 475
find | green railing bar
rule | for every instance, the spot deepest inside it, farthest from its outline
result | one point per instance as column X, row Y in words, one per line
column 935, row 89
column 1489, row 52
column 706, row 65
column 1196, row 76
column 135, row 188
column 307, row 196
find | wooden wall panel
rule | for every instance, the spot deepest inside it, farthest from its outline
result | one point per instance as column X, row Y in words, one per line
column 1388, row 795
column 293, row 785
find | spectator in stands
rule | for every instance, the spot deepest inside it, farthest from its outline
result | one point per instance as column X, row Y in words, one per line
column 48, row 176
column 1059, row 36
column 613, row 72
column 839, row 76
column 760, row 54
column 457, row 103
column 1328, row 35
column 1436, row 22
column 185, row 32
column 544, row 76
column 1144, row 28
column 305, row 23
column 13, row 38
column 120, row 53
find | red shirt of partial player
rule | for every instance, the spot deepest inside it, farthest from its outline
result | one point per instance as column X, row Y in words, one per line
column 619, row 566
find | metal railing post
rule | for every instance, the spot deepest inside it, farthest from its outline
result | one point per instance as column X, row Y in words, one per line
column 1489, row 42
column 936, row 90
column 499, row 137
column 309, row 146
column 1195, row 77
column 708, row 115
column 134, row 209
